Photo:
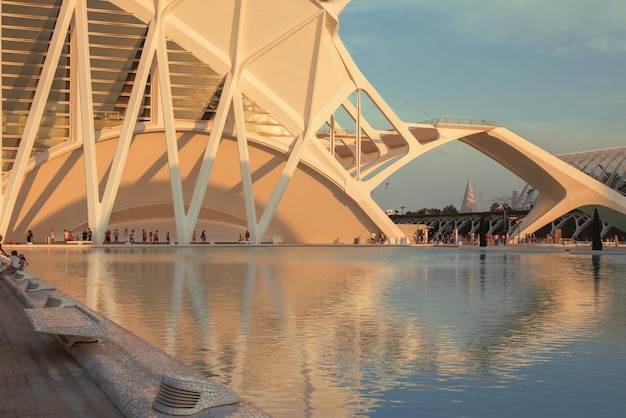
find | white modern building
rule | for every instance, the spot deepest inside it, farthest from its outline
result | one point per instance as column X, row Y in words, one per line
column 219, row 116
column 607, row 165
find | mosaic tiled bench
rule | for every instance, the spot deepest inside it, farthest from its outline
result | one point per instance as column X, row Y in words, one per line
column 180, row 396
column 35, row 285
column 21, row 274
column 68, row 319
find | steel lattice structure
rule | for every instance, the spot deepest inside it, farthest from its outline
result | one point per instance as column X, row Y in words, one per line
column 607, row 165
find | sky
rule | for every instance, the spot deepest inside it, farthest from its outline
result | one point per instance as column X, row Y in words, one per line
column 553, row 72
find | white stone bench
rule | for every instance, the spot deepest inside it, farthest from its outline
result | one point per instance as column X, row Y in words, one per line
column 71, row 321
column 78, row 242
column 180, row 396
column 35, row 285
column 22, row 275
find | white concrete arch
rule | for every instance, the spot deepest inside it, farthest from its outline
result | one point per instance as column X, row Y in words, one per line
column 562, row 187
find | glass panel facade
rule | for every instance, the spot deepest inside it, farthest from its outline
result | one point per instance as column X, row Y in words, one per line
column 26, row 33
column 115, row 42
column 260, row 122
column 196, row 88
column 116, row 39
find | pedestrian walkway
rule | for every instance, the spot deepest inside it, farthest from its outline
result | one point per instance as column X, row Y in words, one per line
column 37, row 376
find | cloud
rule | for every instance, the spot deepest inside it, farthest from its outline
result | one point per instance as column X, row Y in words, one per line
column 608, row 44
column 556, row 26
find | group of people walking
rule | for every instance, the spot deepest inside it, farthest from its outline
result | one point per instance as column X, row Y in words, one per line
column 130, row 237
column 202, row 237
column 382, row 238
column 114, row 237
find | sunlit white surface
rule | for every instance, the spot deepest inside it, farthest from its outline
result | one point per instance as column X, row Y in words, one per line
column 372, row 331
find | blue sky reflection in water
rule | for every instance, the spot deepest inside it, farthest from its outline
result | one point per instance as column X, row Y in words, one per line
column 345, row 331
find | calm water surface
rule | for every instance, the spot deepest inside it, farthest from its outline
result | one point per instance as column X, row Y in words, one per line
column 372, row 331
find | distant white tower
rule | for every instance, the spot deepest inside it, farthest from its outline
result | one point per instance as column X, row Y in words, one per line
column 469, row 200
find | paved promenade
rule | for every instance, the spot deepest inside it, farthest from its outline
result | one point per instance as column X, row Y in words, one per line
column 38, row 378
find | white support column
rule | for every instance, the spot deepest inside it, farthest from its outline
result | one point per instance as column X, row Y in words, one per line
column 16, row 177
column 244, row 165
column 126, row 134
column 167, row 107
column 83, row 101
column 281, row 185
column 350, row 108
column 332, row 134
column 296, row 152
column 415, row 148
column 358, row 134
column 208, row 159
column 221, row 115
column 231, row 96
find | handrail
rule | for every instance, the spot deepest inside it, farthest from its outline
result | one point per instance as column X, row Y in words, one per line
column 459, row 121
column 347, row 132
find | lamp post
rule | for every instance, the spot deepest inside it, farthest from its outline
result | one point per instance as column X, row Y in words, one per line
column 505, row 226
column 387, row 198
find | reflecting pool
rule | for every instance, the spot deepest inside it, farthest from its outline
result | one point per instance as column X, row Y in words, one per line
column 372, row 331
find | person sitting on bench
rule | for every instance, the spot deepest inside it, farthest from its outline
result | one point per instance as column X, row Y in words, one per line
column 23, row 262
column 13, row 266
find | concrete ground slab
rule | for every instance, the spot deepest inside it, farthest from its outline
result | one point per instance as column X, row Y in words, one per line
column 37, row 376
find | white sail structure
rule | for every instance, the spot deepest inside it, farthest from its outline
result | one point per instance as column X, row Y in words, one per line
column 469, row 199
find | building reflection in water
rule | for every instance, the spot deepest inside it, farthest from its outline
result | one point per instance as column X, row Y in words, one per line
column 334, row 331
